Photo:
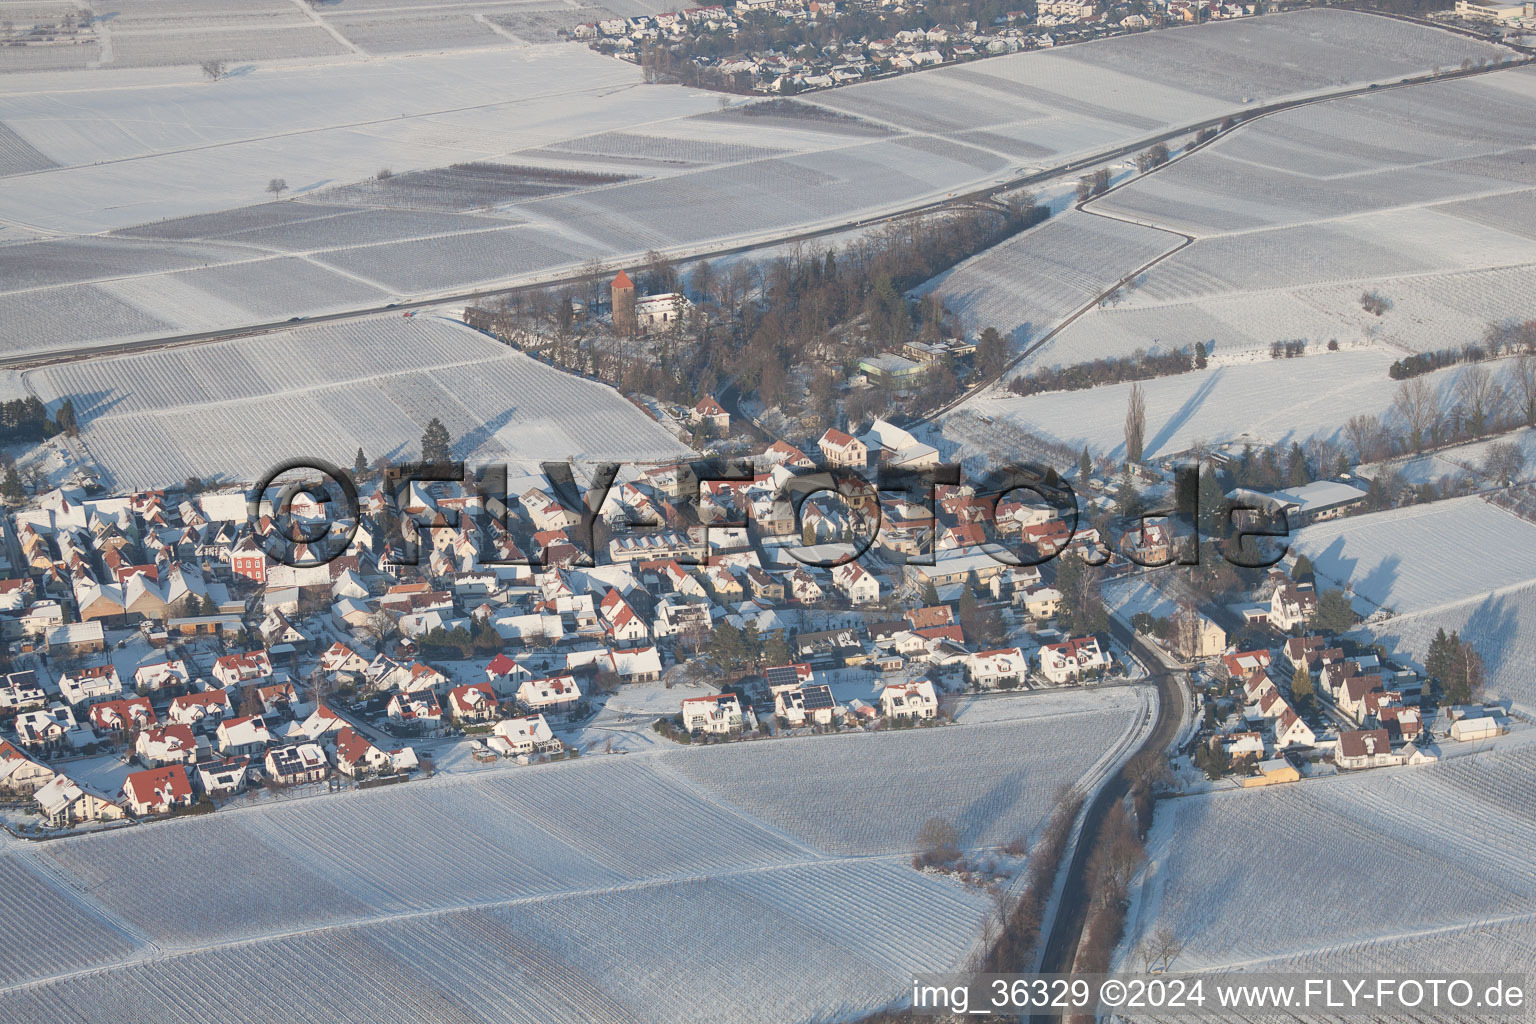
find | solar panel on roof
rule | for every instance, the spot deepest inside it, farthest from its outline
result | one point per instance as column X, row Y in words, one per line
column 818, row 698
column 782, row 675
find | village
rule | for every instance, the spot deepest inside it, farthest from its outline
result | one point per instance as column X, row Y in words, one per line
column 769, row 46
column 161, row 661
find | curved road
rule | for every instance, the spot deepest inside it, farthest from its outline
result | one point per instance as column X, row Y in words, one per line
column 1072, row 910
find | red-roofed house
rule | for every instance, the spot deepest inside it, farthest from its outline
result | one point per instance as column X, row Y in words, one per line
column 1072, row 659
column 474, row 702
column 355, row 755
column 166, row 744
column 158, row 790
column 840, row 449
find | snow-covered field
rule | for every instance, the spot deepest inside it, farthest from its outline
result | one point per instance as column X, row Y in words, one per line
column 769, row 880
column 1030, row 283
column 1500, row 626
column 235, row 409
column 1299, row 213
column 1422, row 558
column 1266, row 401
column 1392, row 869
column 135, row 148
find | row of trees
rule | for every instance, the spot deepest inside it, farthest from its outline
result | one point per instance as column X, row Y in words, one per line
column 1079, row 376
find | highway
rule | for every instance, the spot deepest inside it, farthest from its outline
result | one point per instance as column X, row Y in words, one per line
column 986, row 193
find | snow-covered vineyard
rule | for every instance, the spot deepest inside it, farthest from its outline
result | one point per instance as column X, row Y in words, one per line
column 197, row 251
column 236, row 408
column 1299, row 213
column 1440, row 885
column 582, row 875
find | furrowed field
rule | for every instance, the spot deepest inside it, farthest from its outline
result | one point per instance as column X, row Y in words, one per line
column 773, row 880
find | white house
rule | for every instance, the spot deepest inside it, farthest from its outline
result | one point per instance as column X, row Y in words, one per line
column 909, row 700
column 1006, row 665
column 243, row 735
column 166, row 744
column 297, row 763
column 718, row 714
column 158, row 790
column 857, row 585
column 1072, row 659
column 1365, row 748
column 554, row 695
column 523, row 736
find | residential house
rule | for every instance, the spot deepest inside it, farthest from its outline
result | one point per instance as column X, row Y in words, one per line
column 1072, row 659
column 473, row 702
column 416, row 714
column 223, row 776
column 158, row 790
column 800, row 705
column 554, row 696
column 297, row 763
column 1365, row 748
column 1006, row 666
column 204, row 709
column 843, row 450
column 718, row 714
column 916, row 700
column 64, row 802
column 166, row 744
column 243, row 736
column 88, row 685
column 858, row 586
column 355, row 755
column 523, row 736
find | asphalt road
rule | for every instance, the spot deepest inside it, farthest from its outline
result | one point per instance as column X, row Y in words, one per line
column 982, row 194
column 1072, row 912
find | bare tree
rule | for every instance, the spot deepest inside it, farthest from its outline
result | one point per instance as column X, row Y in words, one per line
column 939, row 840
column 1482, row 396
column 1522, row 386
column 1135, row 424
column 1419, row 406
column 277, row 186
column 1160, row 949
column 1504, row 461
column 379, row 629
column 214, row 70
column 1366, row 435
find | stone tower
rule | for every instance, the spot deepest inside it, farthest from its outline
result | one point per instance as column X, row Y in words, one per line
column 623, row 291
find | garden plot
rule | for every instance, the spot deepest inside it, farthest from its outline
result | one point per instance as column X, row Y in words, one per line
column 340, row 227
column 276, row 288
column 75, row 260
column 1237, row 328
column 1423, row 557
column 1028, row 284
column 1214, row 858
column 1461, row 460
column 77, row 937
column 565, row 883
column 232, row 410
